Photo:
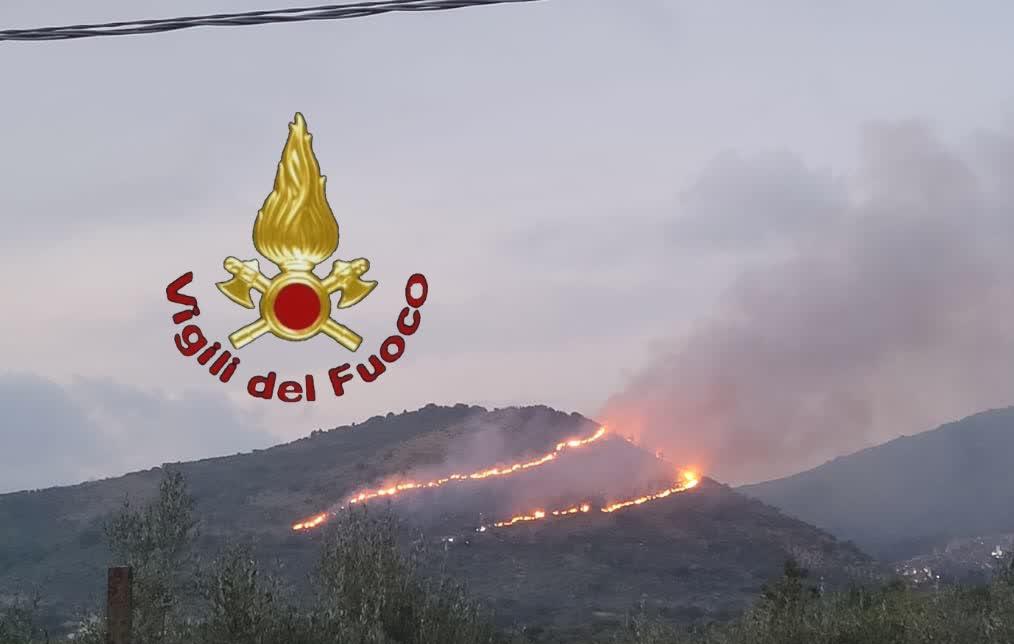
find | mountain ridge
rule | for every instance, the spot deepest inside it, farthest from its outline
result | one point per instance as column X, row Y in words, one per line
column 900, row 497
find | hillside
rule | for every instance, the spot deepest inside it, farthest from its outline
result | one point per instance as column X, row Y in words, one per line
column 914, row 493
column 697, row 554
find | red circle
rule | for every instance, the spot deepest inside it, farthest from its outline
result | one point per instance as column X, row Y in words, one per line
column 297, row 306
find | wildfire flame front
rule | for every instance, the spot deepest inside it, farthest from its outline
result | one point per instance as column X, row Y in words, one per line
column 688, row 480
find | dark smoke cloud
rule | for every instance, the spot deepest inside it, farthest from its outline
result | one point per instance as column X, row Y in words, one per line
column 884, row 305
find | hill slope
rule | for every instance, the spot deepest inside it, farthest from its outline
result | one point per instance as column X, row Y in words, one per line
column 912, row 493
column 694, row 554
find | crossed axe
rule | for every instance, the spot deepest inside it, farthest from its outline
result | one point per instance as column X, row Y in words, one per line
column 345, row 277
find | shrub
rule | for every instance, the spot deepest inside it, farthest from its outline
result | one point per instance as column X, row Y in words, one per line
column 18, row 623
column 240, row 603
column 156, row 542
column 367, row 591
column 791, row 612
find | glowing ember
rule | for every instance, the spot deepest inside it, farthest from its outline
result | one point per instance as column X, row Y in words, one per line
column 393, row 490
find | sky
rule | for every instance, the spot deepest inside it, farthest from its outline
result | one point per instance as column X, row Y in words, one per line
column 614, row 202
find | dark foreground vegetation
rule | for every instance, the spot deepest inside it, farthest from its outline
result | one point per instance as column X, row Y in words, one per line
column 368, row 590
column 793, row 612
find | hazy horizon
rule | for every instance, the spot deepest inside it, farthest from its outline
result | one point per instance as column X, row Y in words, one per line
column 759, row 242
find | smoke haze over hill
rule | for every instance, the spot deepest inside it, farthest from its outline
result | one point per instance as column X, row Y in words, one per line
column 881, row 304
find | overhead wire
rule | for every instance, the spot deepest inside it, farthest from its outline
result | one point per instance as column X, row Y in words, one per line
column 301, row 14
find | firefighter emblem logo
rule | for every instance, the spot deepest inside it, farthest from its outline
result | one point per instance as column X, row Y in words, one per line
column 296, row 230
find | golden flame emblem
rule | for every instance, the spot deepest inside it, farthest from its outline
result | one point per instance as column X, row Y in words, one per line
column 296, row 230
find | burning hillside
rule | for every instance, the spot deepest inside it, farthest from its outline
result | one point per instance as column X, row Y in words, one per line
column 684, row 481
column 394, row 489
column 559, row 559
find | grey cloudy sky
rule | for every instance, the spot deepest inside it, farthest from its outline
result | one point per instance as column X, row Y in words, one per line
column 581, row 181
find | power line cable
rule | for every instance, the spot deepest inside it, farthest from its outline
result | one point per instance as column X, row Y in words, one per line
column 326, row 12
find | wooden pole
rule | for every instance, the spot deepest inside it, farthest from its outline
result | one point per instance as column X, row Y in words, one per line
column 118, row 605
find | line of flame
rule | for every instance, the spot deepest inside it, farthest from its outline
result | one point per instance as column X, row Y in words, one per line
column 312, row 522
column 541, row 514
column 689, row 481
column 393, row 490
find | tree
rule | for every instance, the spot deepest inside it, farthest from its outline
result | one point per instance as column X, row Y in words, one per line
column 242, row 604
column 369, row 592
column 155, row 541
column 17, row 623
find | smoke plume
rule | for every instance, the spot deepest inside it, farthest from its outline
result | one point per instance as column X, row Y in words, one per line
column 884, row 305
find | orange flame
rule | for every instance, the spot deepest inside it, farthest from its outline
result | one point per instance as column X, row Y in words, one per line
column 688, row 481
column 534, row 516
column 541, row 514
column 312, row 522
column 393, row 490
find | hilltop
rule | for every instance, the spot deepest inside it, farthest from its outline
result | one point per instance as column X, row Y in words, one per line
column 700, row 554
